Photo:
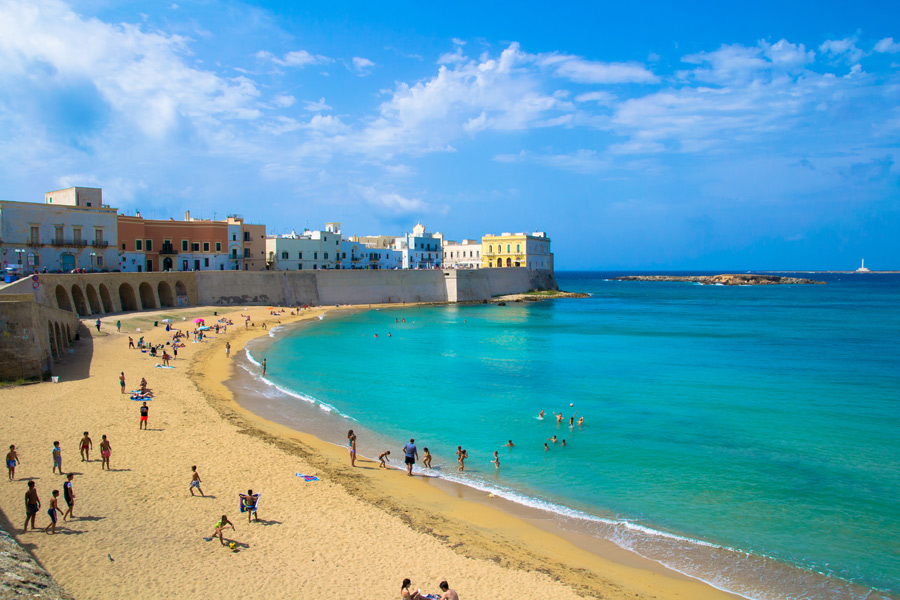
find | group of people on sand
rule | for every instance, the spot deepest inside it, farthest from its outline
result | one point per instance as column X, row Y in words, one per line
column 33, row 500
column 447, row 593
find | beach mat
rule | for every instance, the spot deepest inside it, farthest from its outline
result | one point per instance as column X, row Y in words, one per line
column 307, row 477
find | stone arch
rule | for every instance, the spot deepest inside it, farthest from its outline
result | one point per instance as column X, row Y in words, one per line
column 127, row 298
column 508, row 262
column 54, row 350
column 68, row 337
column 62, row 298
column 105, row 299
column 93, row 300
column 165, row 294
column 181, row 290
column 147, row 298
column 78, row 299
column 60, row 341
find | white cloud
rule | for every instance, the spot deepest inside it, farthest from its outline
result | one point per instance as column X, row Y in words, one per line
column 295, row 58
column 318, row 106
column 602, row 98
column 284, row 100
column 362, row 65
column 844, row 48
column 887, row 45
column 581, row 161
column 327, row 124
column 580, row 70
column 389, row 201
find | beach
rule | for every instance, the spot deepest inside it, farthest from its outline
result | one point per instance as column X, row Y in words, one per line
column 354, row 532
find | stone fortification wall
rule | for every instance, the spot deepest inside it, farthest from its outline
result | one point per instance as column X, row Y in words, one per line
column 217, row 288
column 31, row 336
column 372, row 287
column 481, row 284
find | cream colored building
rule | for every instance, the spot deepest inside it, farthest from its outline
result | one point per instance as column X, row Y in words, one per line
column 531, row 251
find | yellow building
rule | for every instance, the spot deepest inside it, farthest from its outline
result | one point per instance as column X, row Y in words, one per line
column 531, row 251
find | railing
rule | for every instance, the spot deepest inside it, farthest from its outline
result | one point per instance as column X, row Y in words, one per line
column 168, row 250
column 99, row 243
column 63, row 242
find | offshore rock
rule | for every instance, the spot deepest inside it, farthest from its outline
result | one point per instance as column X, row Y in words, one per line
column 725, row 279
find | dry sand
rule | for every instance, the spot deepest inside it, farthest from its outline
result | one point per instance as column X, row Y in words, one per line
column 138, row 533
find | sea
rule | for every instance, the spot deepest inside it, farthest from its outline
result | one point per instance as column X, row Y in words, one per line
column 747, row 436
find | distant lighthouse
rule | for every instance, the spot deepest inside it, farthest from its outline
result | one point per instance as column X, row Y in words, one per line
column 863, row 268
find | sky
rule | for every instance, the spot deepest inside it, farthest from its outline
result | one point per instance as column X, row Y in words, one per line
column 638, row 136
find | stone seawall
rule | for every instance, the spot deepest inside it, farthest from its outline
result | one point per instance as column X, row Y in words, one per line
column 22, row 577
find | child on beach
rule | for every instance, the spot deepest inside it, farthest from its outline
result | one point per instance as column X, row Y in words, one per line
column 57, row 457
column 86, row 446
column 12, row 459
column 195, row 482
column 122, row 381
column 383, row 457
column 220, row 525
column 496, row 460
column 105, row 451
column 32, row 506
column 130, row 343
column 145, row 414
column 351, row 444
column 463, row 455
column 426, row 462
column 69, row 496
column 54, row 508
column 249, row 504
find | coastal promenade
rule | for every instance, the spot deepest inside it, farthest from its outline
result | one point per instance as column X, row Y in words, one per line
column 355, row 532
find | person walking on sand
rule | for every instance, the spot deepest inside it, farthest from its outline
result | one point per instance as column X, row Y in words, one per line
column 195, row 482
column 383, row 458
column 496, row 460
column 130, row 343
column 32, row 506
column 165, row 358
column 105, row 451
column 86, row 446
column 145, row 413
column 12, row 459
column 351, row 443
column 412, row 455
column 426, row 461
column 118, row 326
column 54, row 508
column 98, row 331
column 69, row 496
column 122, row 381
column 220, row 525
column 227, row 349
column 57, row 457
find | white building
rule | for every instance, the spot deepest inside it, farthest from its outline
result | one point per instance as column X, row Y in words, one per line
column 72, row 229
column 462, row 255
column 311, row 250
column 420, row 249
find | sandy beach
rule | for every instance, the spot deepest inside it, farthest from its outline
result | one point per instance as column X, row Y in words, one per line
column 138, row 533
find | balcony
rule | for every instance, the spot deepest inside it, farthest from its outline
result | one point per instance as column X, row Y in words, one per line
column 170, row 250
column 64, row 242
column 98, row 243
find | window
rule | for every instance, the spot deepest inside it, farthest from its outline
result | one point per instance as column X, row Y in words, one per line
column 315, row 256
column 246, row 236
column 35, row 235
column 299, row 266
column 246, row 252
column 98, row 236
column 326, row 256
column 76, row 235
column 206, row 246
column 490, row 249
column 58, row 234
column 325, row 238
column 205, row 262
column 518, row 247
column 148, row 245
column 138, row 244
column 507, row 249
column 195, row 246
column 99, row 260
column 233, row 237
column 234, row 253
column 34, row 259
column 184, row 246
column 218, row 246
column 336, row 242
column 299, row 256
column 284, row 256
column 123, row 245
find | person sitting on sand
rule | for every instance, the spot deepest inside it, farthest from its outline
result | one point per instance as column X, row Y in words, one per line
column 449, row 593
column 405, row 594
column 220, row 525
column 143, row 385
column 383, row 457
column 248, row 502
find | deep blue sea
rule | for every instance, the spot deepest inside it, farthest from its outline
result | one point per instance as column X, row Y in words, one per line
column 744, row 435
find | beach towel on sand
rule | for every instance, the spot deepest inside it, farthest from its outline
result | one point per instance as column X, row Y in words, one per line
column 245, row 507
column 163, row 367
column 307, row 477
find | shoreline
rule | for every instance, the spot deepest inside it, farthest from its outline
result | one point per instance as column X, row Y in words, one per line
column 137, row 523
column 540, row 521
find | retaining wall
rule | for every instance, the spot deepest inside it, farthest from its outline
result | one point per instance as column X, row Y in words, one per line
column 31, row 336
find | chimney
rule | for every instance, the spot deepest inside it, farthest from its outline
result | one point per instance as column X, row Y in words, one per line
column 187, row 215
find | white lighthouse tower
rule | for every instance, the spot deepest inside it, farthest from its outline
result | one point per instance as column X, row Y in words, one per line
column 863, row 268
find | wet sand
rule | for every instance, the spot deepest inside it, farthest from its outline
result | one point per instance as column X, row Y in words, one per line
column 355, row 532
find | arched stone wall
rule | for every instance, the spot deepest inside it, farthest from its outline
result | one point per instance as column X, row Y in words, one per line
column 105, row 299
column 62, row 298
column 78, row 299
column 93, row 300
column 51, row 331
column 147, row 298
column 180, row 289
column 165, row 294
column 127, row 299
column 61, row 341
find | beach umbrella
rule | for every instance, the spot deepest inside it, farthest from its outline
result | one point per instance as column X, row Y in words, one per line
column 198, row 320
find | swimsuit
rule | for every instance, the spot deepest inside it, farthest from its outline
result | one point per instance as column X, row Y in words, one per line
column 195, row 484
column 31, row 509
column 105, row 453
column 11, row 464
column 67, row 493
column 52, row 513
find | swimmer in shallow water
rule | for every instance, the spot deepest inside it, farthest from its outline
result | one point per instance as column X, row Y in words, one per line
column 581, row 421
column 508, row 444
column 541, row 414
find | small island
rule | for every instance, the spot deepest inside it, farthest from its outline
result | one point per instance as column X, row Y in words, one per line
column 724, row 279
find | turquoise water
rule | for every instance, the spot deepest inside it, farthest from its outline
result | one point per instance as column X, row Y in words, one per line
column 744, row 435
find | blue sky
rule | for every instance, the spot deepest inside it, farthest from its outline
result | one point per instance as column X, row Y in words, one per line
column 641, row 136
